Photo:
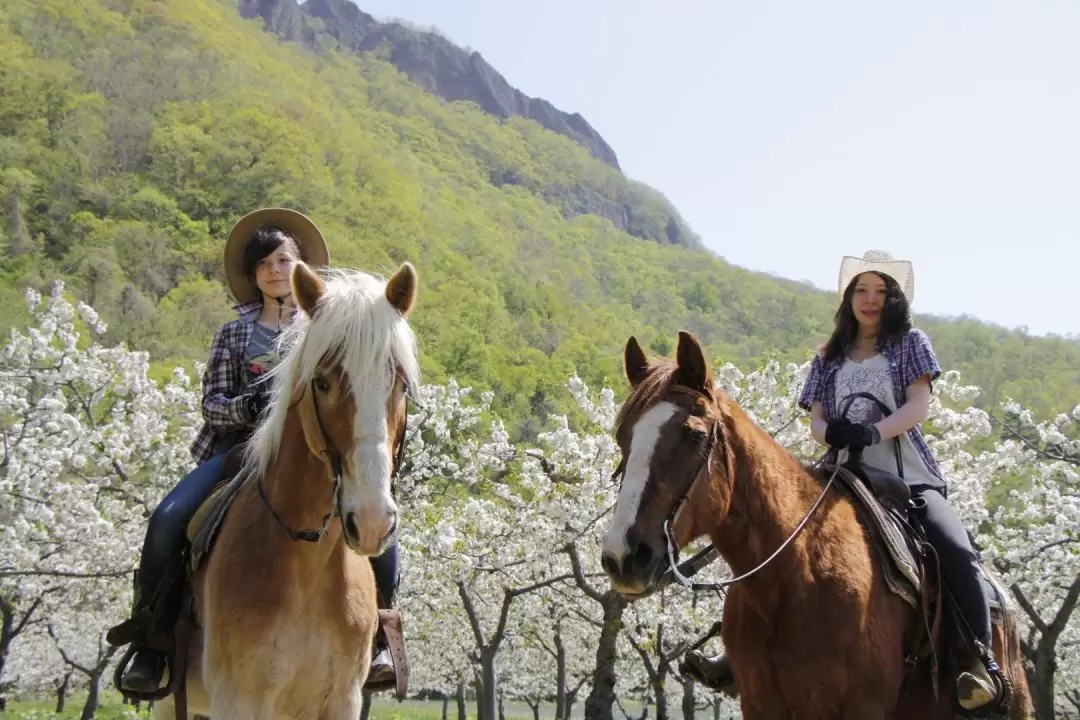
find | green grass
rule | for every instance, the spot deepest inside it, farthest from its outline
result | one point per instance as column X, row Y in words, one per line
column 112, row 708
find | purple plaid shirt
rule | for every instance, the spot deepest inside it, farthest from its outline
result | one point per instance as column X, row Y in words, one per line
column 225, row 418
column 908, row 360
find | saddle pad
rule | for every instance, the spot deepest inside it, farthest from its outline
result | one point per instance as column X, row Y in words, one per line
column 203, row 528
column 887, row 536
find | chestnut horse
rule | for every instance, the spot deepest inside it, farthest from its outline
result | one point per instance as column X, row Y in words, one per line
column 286, row 628
column 814, row 632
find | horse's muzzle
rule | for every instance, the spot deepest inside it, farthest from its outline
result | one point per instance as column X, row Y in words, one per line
column 637, row 572
column 371, row 537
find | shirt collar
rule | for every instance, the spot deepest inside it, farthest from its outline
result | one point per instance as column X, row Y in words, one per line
column 248, row 310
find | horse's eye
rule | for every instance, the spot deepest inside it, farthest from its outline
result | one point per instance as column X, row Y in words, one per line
column 695, row 434
column 322, row 384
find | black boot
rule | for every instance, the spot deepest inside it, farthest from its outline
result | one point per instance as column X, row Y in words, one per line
column 714, row 673
column 147, row 667
column 385, row 567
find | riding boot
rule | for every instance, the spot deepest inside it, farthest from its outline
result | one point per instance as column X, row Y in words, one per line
column 713, row 672
column 385, row 568
column 162, row 548
column 147, row 667
column 979, row 684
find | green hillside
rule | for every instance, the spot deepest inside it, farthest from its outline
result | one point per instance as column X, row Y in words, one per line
column 133, row 133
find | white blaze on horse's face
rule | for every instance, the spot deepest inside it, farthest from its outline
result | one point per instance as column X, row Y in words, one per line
column 367, row 506
column 626, row 553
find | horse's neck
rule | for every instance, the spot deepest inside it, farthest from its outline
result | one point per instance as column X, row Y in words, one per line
column 770, row 496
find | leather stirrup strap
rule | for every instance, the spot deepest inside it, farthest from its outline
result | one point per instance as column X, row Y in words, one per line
column 395, row 641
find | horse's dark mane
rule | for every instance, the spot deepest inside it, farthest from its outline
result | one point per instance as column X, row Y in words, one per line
column 652, row 388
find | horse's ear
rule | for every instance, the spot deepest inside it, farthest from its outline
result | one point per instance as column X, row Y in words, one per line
column 634, row 361
column 693, row 370
column 402, row 287
column 307, row 288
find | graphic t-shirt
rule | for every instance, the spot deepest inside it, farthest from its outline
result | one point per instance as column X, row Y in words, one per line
column 261, row 355
column 872, row 376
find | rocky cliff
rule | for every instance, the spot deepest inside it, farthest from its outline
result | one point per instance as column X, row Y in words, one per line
column 430, row 60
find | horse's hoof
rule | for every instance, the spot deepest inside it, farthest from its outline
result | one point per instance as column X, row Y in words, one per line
column 714, row 673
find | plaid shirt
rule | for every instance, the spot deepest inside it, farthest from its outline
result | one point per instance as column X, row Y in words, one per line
column 225, row 380
column 908, row 360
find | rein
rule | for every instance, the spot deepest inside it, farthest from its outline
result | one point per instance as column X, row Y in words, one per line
column 334, row 458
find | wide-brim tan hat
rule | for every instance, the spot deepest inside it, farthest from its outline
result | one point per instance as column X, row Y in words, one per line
column 878, row 261
column 300, row 227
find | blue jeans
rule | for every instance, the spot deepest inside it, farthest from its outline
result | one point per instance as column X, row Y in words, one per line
column 166, row 534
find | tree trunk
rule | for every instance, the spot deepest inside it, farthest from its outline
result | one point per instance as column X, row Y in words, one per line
column 461, row 709
column 661, row 694
column 7, row 635
column 688, row 700
column 91, row 706
column 487, row 700
column 560, row 677
column 445, row 707
column 365, row 706
column 601, row 700
column 62, row 691
column 1042, row 689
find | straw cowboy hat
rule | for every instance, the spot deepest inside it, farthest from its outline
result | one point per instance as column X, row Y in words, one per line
column 878, row 261
column 308, row 238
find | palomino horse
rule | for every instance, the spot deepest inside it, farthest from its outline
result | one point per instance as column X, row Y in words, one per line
column 813, row 631
column 286, row 628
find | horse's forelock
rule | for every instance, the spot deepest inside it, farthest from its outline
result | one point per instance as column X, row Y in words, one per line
column 356, row 328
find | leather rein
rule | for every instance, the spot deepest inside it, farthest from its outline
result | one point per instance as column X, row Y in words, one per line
column 333, row 457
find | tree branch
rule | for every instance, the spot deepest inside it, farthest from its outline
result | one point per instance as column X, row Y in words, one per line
column 1032, row 613
column 579, row 577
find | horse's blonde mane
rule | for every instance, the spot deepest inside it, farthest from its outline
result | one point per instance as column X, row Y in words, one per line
column 355, row 326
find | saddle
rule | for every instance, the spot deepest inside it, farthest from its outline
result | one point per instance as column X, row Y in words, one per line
column 167, row 623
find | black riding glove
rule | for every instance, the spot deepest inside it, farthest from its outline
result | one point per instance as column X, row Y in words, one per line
column 256, row 401
column 857, row 436
column 836, row 433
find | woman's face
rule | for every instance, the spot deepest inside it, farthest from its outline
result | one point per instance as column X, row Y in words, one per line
column 273, row 272
column 868, row 300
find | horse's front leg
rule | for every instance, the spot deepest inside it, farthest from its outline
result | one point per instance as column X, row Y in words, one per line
column 346, row 706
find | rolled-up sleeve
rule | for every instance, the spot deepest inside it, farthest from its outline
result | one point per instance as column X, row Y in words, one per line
column 223, row 383
column 812, row 388
column 919, row 358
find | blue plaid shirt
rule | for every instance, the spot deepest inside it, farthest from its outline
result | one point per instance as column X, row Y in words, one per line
column 909, row 360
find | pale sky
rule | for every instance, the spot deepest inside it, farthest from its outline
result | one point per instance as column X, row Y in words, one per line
column 789, row 134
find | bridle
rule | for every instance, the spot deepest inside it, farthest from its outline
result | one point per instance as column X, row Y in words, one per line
column 333, row 457
column 716, row 437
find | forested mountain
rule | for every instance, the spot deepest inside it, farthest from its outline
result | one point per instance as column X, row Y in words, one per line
column 133, row 133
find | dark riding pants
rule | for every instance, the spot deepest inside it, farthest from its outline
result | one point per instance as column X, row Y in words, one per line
column 959, row 563
column 166, row 534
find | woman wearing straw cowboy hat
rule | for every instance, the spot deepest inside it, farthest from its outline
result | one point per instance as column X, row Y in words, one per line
column 874, row 349
column 260, row 253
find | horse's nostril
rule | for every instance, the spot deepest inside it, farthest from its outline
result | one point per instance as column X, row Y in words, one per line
column 642, row 556
column 351, row 528
column 608, row 564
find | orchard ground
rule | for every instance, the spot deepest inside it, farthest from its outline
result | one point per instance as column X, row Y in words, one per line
column 382, row 709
